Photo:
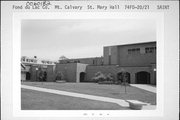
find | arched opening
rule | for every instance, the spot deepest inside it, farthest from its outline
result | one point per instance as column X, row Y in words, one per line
column 120, row 77
column 28, row 76
column 82, row 76
column 44, row 76
column 143, row 77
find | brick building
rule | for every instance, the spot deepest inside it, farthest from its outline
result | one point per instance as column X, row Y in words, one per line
column 34, row 66
column 138, row 60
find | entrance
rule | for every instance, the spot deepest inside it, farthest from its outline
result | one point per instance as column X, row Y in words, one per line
column 82, row 77
column 28, row 76
column 143, row 77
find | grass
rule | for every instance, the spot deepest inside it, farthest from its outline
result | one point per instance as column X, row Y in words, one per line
column 113, row 91
column 35, row 100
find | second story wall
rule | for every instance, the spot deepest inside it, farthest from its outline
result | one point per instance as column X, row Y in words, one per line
column 140, row 54
column 137, row 54
column 110, row 55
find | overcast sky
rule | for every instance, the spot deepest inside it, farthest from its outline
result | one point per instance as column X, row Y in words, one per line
column 50, row 39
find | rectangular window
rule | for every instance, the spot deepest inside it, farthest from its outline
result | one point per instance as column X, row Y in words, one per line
column 129, row 51
column 134, row 51
column 150, row 49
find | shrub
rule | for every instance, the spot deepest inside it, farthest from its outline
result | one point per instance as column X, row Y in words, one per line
column 99, row 76
column 109, row 77
column 102, row 78
column 59, row 76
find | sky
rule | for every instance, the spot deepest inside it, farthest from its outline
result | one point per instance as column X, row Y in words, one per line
column 81, row 38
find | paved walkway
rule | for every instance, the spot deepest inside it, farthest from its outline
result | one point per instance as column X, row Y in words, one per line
column 120, row 102
column 145, row 87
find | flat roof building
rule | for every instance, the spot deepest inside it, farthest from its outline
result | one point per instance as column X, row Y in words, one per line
column 139, row 54
column 138, row 60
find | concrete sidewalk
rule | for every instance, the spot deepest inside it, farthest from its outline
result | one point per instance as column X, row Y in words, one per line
column 145, row 87
column 120, row 102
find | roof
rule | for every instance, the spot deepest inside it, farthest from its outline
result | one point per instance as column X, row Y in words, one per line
column 23, row 66
column 133, row 44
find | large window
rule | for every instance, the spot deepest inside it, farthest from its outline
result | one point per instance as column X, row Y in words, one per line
column 134, row 51
column 150, row 49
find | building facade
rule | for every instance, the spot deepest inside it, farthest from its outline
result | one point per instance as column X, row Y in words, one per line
column 137, row 60
column 140, row 54
column 34, row 67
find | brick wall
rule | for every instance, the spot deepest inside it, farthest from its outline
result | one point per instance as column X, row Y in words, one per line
column 50, row 73
column 68, row 70
column 120, row 56
column 137, row 59
column 113, row 69
column 91, row 70
column 35, row 73
column 106, row 55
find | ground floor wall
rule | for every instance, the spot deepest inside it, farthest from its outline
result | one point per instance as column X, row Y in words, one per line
column 23, row 75
column 81, row 72
column 51, row 73
column 137, row 74
column 36, row 69
column 77, row 72
column 68, row 70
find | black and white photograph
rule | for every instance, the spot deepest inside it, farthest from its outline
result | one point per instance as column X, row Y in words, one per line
column 90, row 60
column 92, row 64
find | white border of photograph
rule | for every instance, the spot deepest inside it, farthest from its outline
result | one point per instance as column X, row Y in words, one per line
column 18, row 17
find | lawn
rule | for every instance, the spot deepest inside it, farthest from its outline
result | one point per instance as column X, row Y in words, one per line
column 35, row 100
column 113, row 91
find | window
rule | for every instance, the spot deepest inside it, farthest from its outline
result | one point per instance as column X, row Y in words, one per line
column 134, row 51
column 23, row 59
column 150, row 49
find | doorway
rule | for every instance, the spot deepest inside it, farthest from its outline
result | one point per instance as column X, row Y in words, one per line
column 82, row 76
column 28, row 76
column 143, row 77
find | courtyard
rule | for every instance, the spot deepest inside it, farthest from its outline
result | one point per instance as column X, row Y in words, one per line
column 38, row 100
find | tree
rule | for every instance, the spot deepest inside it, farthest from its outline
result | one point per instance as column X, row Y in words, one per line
column 124, row 78
column 63, row 57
